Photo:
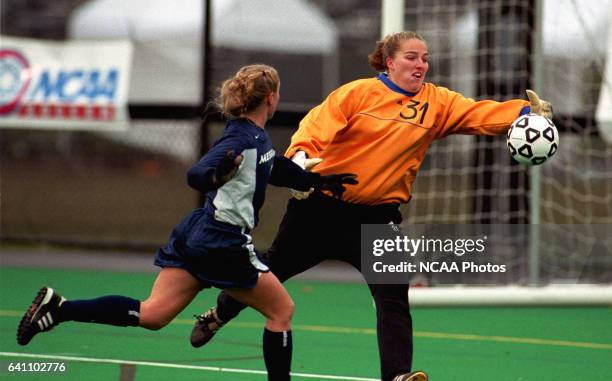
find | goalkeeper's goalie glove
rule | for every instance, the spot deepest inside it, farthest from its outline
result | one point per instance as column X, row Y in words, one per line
column 307, row 164
column 335, row 183
column 539, row 106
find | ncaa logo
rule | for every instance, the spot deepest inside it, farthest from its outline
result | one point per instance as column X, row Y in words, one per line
column 15, row 76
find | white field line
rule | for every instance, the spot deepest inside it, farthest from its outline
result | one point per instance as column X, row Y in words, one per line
column 177, row 366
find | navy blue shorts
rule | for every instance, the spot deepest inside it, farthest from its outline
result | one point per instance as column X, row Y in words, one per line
column 217, row 254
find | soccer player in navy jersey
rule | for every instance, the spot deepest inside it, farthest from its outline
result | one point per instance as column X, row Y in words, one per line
column 212, row 246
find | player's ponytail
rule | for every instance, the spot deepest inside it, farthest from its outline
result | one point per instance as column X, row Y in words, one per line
column 387, row 47
column 247, row 89
column 376, row 57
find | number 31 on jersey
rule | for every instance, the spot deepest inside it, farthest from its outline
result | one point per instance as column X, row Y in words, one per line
column 415, row 111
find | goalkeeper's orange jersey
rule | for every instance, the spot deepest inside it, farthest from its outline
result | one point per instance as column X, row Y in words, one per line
column 374, row 129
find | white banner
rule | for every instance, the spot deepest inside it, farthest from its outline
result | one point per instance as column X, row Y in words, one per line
column 64, row 85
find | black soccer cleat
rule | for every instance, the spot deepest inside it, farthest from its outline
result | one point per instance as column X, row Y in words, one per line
column 412, row 376
column 205, row 327
column 42, row 315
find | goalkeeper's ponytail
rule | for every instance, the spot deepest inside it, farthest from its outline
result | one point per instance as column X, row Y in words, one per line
column 376, row 57
column 387, row 47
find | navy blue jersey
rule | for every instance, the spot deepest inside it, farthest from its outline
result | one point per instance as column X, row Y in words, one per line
column 212, row 242
column 239, row 200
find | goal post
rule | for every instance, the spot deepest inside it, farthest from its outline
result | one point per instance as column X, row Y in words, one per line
column 536, row 171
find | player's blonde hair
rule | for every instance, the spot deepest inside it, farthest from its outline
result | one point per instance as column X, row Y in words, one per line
column 387, row 47
column 247, row 89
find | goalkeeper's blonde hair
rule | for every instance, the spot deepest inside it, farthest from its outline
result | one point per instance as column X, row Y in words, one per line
column 387, row 47
column 247, row 89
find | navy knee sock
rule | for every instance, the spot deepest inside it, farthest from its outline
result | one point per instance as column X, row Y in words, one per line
column 277, row 348
column 112, row 310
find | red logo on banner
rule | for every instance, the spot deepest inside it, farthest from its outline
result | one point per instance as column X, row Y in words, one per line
column 15, row 76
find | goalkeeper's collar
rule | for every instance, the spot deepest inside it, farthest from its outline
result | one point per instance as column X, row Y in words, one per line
column 384, row 77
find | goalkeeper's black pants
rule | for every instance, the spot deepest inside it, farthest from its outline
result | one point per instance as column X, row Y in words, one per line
column 321, row 228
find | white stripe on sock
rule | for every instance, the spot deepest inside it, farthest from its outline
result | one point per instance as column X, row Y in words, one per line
column 134, row 313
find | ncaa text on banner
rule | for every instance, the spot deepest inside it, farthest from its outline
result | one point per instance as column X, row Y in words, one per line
column 72, row 85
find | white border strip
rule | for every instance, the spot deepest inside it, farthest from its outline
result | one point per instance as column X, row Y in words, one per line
column 178, row 366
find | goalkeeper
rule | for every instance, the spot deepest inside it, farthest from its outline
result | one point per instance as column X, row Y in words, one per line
column 380, row 129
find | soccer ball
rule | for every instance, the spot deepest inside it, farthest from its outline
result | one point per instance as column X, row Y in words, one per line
column 532, row 139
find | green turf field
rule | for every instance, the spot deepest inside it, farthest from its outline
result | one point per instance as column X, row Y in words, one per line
column 334, row 337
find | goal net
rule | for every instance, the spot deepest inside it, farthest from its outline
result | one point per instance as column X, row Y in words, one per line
column 491, row 50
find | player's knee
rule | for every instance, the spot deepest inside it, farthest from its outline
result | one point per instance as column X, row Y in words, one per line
column 282, row 316
column 394, row 310
column 391, row 303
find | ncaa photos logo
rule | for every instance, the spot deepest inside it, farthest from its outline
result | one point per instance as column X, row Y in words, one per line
column 15, row 77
